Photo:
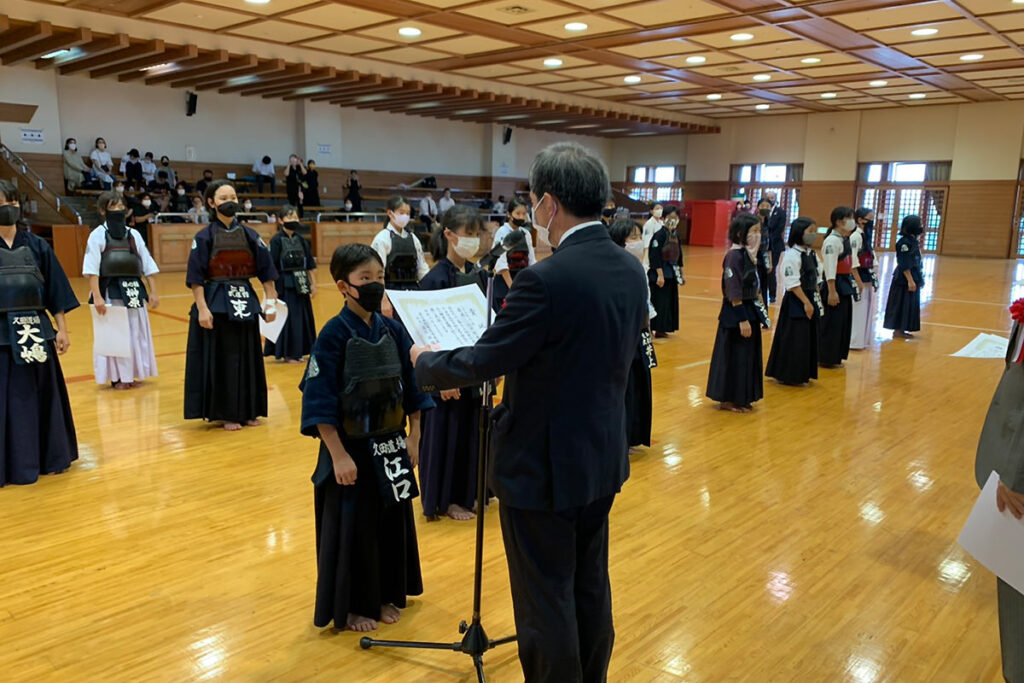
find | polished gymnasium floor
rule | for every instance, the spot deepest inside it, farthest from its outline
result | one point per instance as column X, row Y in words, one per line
column 813, row 540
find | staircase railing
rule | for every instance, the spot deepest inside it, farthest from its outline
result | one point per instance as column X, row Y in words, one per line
column 42, row 189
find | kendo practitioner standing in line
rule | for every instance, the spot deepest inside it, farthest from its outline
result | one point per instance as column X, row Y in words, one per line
column 842, row 284
column 903, row 308
column 794, row 356
column 224, row 375
column 399, row 249
column 116, row 261
column 863, row 326
column 665, row 273
column 292, row 253
column 37, row 432
column 518, row 258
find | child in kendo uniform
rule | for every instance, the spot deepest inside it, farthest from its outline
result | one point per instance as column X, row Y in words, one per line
column 37, row 432
column 360, row 397
column 400, row 249
column 903, row 309
column 292, row 253
column 517, row 259
column 842, row 284
column 116, row 262
column 665, row 273
column 794, row 356
column 863, row 326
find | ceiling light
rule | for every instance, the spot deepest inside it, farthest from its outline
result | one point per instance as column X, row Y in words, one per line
column 811, row 60
column 714, row 96
column 1018, row 2
column 55, row 53
column 160, row 67
column 760, row 78
column 741, row 37
column 551, row 122
column 829, row 95
column 423, row 105
column 311, row 90
column 513, row 117
column 410, row 32
column 643, row 133
column 632, row 79
column 258, row 2
column 762, row 107
column 371, row 98
column 917, row 96
column 924, row 32
column 971, row 58
column 696, row 59
column 878, row 84
column 470, row 112
column 585, row 125
column 576, row 26
column 552, row 61
column 615, row 130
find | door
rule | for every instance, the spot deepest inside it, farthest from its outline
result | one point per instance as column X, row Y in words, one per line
column 893, row 204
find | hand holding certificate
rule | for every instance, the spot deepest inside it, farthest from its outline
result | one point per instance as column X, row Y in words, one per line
column 443, row 319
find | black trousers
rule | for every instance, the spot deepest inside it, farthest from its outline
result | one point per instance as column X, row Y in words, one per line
column 561, row 596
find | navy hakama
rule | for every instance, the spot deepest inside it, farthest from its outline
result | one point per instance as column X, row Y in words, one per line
column 903, row 308
column 299, row 331
column 666, row 258
column 794, row 354
column 736, row 373
column 639, row 410
column 835, row 329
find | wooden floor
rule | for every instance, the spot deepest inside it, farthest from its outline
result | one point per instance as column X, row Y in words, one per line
column 813, row 540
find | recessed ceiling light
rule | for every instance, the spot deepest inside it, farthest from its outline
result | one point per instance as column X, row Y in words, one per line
column 917, row 96
column 423, row 105
column 513, row 117
column 811, row 60
column 741, row 37
column 714, row 96
column 829, row 95
column 311, row 90
column 1018, row 2
column 762, row 107
column 258, row 2
column 159, row 67
column 410, row 32
column 552, row 61
column 632, row 79
column 643, row 133
column 585, row 125
column 576, row 26
column 762, row 77
column 971, row 58
column 878, row 84
column 55, row 53
column 696, row 59
column 924, row 32
column 551, row 122
column 470, row 112
column 371, row 98
column 615, row 130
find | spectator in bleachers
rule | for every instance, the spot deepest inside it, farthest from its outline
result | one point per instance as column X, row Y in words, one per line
column 446, row 201
column 428, row 210
column 486, row 204
column 119, row 187
column 180, row 202
column 198, row 211
column 247, row 206
column 349, row 206
column 102, row 164
column 264, row 171
column 142, row 214
column 160, row 190
column 352, row 189
column 499, row 206
column 295, row 182
column 148, row 168
column 206, row 180
column 311, row 194
column 131, row 169
column 74, row 167
column 172, row 175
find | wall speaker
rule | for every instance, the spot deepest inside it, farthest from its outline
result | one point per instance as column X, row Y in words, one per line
column 507, row 138
column 191, row 100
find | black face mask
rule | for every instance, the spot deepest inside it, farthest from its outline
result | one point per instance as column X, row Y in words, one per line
column 518, row 222
column 208, row 178
column 165, row 163
column 9, row 214
column 294, row 226
column 765, row 213
column 116, row 225
column 370, row 296
column 228, row 209
column 608, row 213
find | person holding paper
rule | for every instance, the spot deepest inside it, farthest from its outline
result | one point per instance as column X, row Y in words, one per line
column 999, row 451
column 224, row 375
column 116, row 261
column 448, row 447
column 296, row 285
column 360, row 397
column 570, row 328
column 38, row 432
column 399, row 249
column 514, row 261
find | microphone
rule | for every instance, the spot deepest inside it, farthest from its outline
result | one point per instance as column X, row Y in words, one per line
column 512, row 241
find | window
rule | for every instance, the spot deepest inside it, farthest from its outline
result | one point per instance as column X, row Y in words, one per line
column 875, row 173
column 908, row 172
column 640, row 174
column 656, row 175
column 665, row 175
column 772, row 173
column 745, row 174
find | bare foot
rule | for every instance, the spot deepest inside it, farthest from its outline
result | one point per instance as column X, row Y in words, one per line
column 389, row 614
column 731, row 407
column 900, row 334
column 121, row 386
column 460, row 513
column 232, row 426
column 746, row 409
column 294, row 360
column 360, row 624
column 252, row 423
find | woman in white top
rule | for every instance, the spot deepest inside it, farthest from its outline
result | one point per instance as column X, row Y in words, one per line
column 148, row 168
column 102, row 164
column 863, row 331
column 515, row 260
column 794, row 356
column 116, row 261
column 399, row 249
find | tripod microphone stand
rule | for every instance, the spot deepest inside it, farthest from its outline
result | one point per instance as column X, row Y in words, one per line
column 475, row 641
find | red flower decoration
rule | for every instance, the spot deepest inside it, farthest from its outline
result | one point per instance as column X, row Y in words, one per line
column 1017, row 310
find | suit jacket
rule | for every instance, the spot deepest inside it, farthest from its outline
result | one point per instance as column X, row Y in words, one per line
column 564, row 343
column 777, row 230
column 1001, row 445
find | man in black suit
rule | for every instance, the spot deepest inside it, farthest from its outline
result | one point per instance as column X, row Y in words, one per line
column 776, row 226
column 564, row 343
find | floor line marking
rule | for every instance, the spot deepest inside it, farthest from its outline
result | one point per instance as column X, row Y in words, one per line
column 694, row 365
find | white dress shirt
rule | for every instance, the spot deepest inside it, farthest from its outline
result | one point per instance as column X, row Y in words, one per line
column 382, row 245
column 428, row 207
column 98, row 242
column 260, row 168
column 445, row 204
column 576, row 228
column 499, row 207
column 501, row 264
column 148, row 170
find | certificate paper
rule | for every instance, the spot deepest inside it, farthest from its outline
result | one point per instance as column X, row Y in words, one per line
column 984, row 346
column 449, row 318
column 273, row 330
column 110, row 332
column 995, row 539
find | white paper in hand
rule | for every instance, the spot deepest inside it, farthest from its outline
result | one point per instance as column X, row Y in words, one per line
column 449, row 318
column 995, row 539
column 110, row 333
column 273, row 330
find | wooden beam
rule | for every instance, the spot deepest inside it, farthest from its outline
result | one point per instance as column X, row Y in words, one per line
column 365, row 83
column 186, row 52
column 60, row 41
column 115, row 57
column 271, row 68
column 289, row 92
column 201, row 60
column 231, row 66
column 14, row 38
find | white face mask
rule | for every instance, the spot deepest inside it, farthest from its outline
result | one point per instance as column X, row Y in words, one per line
column 400, row 220
column 656, row 213
column 851, row 225
column 348, row 207
column 181, row 192
column 636, row 249
column 247, row 206
column 146, row 203
column 466, row 247
column 543, row 232
column 73, row 147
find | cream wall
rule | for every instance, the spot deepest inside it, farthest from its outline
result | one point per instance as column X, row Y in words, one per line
column 26, row 85
column 830, row 150
column 988, row 141
column 912, row 134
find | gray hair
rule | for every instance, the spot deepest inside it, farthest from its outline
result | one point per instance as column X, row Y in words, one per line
column 573, row 174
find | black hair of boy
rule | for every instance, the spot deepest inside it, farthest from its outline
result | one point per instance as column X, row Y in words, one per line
column 348, row 257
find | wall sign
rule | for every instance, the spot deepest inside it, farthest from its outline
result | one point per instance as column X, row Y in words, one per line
column 323, row 149
column 32, row 136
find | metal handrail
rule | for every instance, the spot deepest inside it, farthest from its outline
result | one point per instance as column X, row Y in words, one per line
column 15, row 160
column 190, row 218
column 349, row 215
column 252, row 215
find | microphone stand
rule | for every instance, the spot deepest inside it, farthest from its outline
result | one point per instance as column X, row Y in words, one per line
column 475, row 641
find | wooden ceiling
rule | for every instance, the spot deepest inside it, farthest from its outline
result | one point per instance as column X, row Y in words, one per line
column 708, row 58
